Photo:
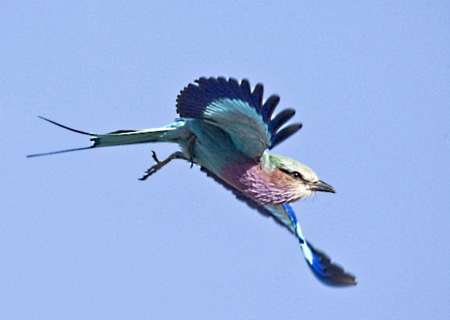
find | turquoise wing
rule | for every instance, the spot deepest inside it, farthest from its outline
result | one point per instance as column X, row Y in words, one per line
column 239, row 111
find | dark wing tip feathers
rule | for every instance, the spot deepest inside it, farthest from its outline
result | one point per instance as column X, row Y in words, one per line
column 193, row 100
column 280, row 119
column 285, row 133
column 329, row 273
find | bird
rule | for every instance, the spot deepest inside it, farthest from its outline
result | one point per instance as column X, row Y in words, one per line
column 226, row 129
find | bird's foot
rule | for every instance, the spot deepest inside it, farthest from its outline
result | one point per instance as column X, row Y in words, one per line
column 160, row 164
column 153, row 169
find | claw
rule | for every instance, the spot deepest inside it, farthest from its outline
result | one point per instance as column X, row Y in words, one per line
column 154, row 157
column 160, row 164
column 154, row 168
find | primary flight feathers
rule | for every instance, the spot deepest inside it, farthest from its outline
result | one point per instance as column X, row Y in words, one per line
column 226, row 129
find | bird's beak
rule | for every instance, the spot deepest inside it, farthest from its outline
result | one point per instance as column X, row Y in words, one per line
column 322, row 186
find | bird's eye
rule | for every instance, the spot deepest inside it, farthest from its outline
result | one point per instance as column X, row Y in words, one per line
column 296, row 175
column 293, row 174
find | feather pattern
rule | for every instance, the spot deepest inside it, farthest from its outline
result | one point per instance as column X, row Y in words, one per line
column 237, row 110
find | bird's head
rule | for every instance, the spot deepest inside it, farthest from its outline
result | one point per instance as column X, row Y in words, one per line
column 297, row 180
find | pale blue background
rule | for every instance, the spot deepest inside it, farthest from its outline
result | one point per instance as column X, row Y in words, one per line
column 82, row 238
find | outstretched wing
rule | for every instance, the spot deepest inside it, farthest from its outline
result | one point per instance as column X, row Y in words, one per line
column 320, row 264
column 239, row 111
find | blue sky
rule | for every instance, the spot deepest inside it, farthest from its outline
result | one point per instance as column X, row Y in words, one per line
column 82, row 238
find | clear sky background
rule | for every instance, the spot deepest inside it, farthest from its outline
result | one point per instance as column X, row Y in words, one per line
column 82, row 238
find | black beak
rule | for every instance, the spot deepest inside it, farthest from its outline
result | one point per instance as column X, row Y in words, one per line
column 322, row 186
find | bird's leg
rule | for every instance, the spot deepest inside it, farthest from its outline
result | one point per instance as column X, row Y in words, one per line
column 191, row 149
column 160, row 164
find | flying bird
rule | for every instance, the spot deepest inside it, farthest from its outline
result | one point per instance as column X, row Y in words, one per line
column 225, row 128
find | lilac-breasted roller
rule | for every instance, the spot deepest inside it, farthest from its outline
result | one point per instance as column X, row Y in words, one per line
column 226, row 129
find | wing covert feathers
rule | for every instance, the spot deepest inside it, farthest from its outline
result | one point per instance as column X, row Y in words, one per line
column 193, row 101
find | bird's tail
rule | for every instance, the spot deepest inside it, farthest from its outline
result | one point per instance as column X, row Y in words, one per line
column 120, row 137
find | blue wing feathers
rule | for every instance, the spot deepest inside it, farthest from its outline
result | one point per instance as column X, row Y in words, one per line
column 320, row 264
column 280, row 119
column 269, row 107
column 237, row 91
column 245, row 89
column 327, row 272
column 284, row 134
column 195, row 98
column 257, row 97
